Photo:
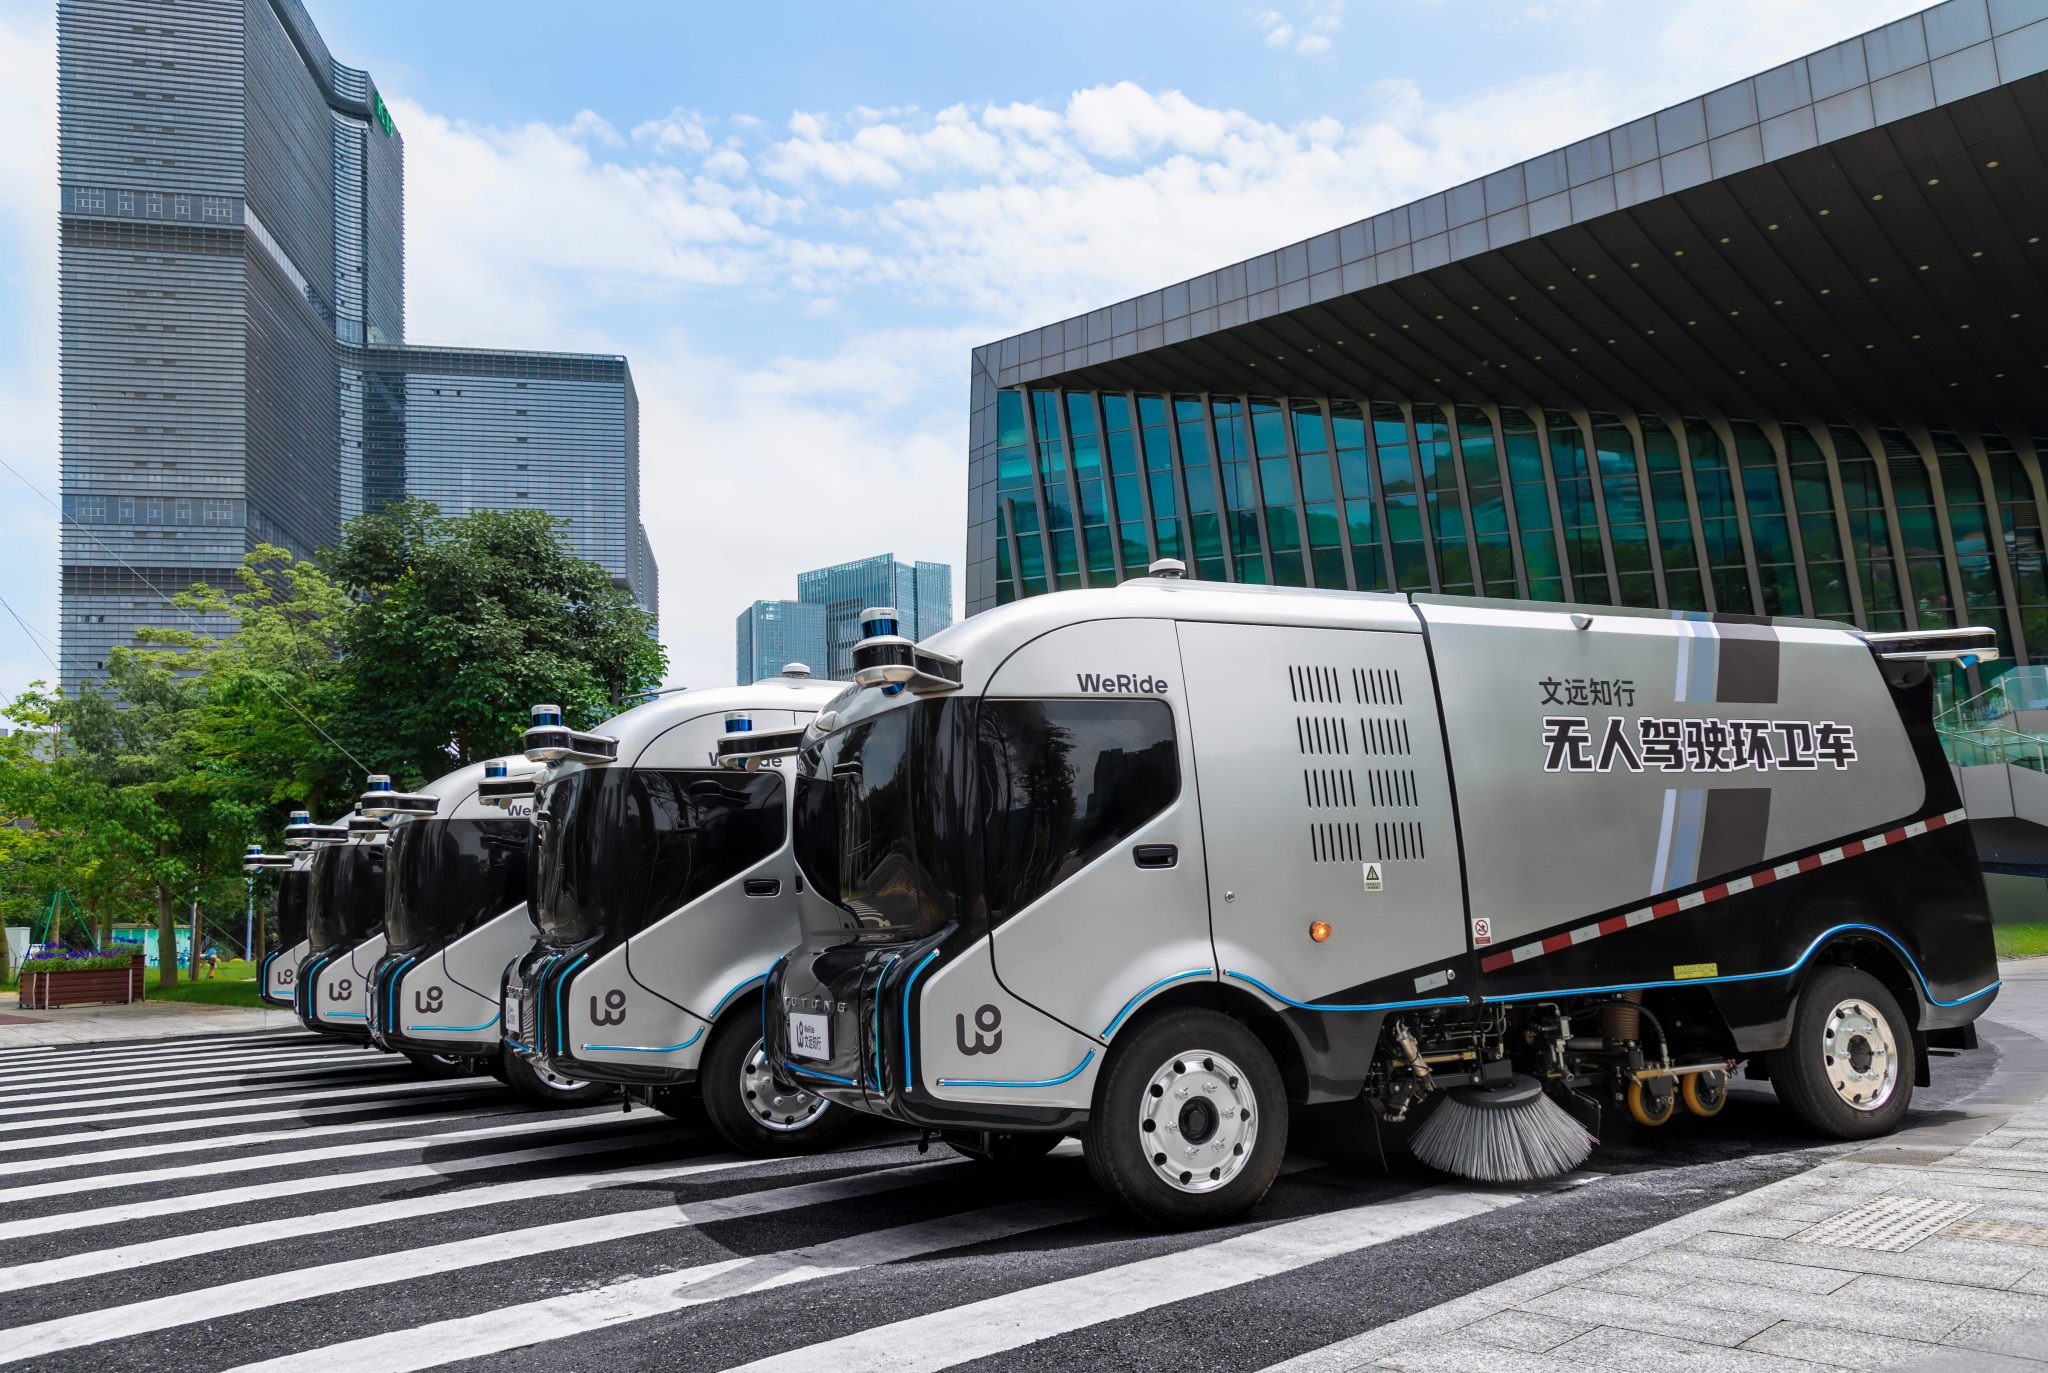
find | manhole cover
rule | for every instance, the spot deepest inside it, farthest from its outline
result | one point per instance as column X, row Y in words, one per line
column 2003, row 1231
column 1890, row 1224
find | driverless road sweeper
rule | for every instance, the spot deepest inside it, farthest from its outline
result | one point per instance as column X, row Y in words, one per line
column 344, row 922
column 663, row 890
column 1149, row 864
column 278, row 971
column 455, row 877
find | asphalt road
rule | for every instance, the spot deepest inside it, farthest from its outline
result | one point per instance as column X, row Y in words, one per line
column 231, row 1201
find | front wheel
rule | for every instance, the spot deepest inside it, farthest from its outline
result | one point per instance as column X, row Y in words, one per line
column 546, row 1088
column 1848, row 1069
column 745, row 1106
column 1189, row 1124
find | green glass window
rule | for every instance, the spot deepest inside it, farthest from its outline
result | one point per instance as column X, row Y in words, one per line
column 1152, row 410
column 1813, row 502
column 1031, row 564
column 1614, row 453
column 1136, row 555
column 1532, row 505
column 1066, row 559
column 1166, row 533
column 1770, row 531
column 1496, row 571
column 1683, row 588
column 1233, row 459
column 1446, row 504
column 1969, row 529
column 1581, row 520
column 1123, row 452
column 1081, row 432
column 1116, row 411
column 1310, row 434
column 1405, row 530
column 1919, row 535
column 1269, row 428
column 1045, row 422
column 1727, row 570
column 1870, row 537
column 1010, row 419
column 2019, row 520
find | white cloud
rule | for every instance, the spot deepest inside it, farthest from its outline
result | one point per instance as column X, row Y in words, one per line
column 677, row 131
column 1278, row 35
column 1314, row 45
column 594, row 126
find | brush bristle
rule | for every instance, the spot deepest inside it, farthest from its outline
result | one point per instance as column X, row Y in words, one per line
column 1515, row 1144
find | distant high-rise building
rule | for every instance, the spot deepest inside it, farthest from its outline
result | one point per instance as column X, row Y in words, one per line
column 232, row 296
column 773, row 634
column 922, row 594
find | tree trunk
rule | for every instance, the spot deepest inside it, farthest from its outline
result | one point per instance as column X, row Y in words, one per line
column 166, row 938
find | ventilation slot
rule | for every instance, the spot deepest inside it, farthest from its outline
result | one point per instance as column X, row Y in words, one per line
column 1323, row 735
column 1324, row 788
column 1383, row 735
column 1390, row 787
column 1316, row 685
column 1376, row 686
column 1398, row 839
column 1336, row 841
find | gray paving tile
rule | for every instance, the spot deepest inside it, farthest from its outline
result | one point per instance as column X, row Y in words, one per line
column 1661, row 1316
column 1874, row 1293
column 1454, row 1355
column 1524, row 1330
column 1768, row 1226
column 1607, row 1347
column 1930, row 1264
column 1837, row 1347
column 1793, row 1277
column 1915, row 1319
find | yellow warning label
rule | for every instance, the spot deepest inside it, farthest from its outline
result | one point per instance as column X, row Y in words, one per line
column 1685, row 972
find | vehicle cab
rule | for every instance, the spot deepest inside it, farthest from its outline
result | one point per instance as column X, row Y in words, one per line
column 344, row 923
column 663, row 891
column 277, row 972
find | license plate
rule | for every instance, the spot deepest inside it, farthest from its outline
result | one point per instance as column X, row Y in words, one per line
column 512, row 1014
column 810, row 1036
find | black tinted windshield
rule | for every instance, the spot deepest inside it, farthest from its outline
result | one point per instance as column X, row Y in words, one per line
column 443, row 878
column 881, row 824
column 293, row 890
column 347, row 903
column 619, row 848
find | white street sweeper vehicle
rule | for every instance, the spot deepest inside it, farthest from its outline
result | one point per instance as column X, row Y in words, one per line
column 663, row 892
column 455, row 920
column 1149, row 864
column 278, row 972
column 344, row 922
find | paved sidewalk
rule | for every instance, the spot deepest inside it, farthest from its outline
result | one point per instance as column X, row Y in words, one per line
column 143, row 1020
column 1928, row 1250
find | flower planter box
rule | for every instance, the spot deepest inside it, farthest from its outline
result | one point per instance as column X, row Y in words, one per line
column 44, row 991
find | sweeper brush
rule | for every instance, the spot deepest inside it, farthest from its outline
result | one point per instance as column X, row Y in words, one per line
column 1509, row 1133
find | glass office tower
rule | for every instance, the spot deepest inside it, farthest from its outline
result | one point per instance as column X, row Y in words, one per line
column 922, row 593
column 1776, row 350
column 770, row 635
column 232, row 297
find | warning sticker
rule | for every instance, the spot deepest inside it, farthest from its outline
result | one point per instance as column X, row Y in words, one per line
column 1373, row 880
column 1482, row 930
column 1685, row 972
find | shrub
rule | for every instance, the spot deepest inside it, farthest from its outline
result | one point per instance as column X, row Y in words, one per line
column 78, row 963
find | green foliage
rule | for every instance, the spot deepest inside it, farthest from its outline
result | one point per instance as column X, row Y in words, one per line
column 462, row 624
column 96, row 963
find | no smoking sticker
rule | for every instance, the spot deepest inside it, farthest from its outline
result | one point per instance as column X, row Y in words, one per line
column 1482, row 930
column 1373, row 880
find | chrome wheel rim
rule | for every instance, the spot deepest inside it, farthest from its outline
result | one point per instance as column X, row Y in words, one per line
column 549, row 1078
column 1198, row 1121
column 1860, row 1054
column 784, row 1110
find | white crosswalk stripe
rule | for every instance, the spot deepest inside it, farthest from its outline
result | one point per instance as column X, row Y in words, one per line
column 382, row 1089
column 217, row 1146
column 154, row 1049
column 233, row 1089
column 263, row 1077
column 463, row 1091
column 30, row 1084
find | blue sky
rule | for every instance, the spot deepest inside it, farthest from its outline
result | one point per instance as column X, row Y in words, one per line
column 797, row 219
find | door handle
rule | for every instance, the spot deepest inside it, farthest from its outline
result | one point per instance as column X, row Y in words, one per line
column 764, row 886
column 1156, row 855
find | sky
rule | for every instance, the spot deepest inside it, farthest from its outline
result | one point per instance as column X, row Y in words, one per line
column 797, row 220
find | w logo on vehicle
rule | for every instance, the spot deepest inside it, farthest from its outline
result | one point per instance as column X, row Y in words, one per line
column 342, row 990
column 614, row 1011
column 285, row 975
column 428, row 1002
column 987, row 1020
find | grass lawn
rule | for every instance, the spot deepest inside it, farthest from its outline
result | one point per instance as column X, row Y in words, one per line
column 2020, row 941
column 233, row 985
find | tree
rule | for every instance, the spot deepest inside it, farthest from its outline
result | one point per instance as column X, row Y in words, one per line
column 462, row 623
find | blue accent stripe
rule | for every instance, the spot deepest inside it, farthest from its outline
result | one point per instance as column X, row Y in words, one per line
column 757, row 977
column 522, row 1048
column 645, row 1048
column 453, row 1029
column 1795, row 966
column 346, row 1015
column 391, row 990
column 875, row 1066
column 1069, row 1076
column 1132, row 1004
column 909, row 1050
column 561, row 1014
column 813, row 1072
column 1372, row 1006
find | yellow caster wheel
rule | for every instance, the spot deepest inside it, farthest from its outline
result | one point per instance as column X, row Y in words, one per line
column 1705, row 1093
column 1652, row 1102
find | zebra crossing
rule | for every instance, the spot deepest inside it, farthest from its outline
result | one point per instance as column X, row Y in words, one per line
column 276, row 1199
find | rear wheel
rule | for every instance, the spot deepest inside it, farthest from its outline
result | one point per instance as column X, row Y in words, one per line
column 546, row 1088
column 1189, row 1125
column 745, row 1106
column 1848, row 1069
column 1007, row 1147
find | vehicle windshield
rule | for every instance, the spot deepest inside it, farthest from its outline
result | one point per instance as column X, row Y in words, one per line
column 881, row 825
column 444, row 878
column 347, row 902
column 293, row 889
column 618, row 848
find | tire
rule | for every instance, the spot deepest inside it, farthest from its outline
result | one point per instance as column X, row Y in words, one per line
column 1849, row 1066
column 681, row 1104
column 435, row 1065
column 1009, row 1148
column 748, row 1110
column 1220, row 1058
column 544, row 1089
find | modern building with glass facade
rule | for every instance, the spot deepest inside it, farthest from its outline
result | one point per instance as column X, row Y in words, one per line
column 770, row 635
column 232, row 337
column 1775, row 350
column 922, row 594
